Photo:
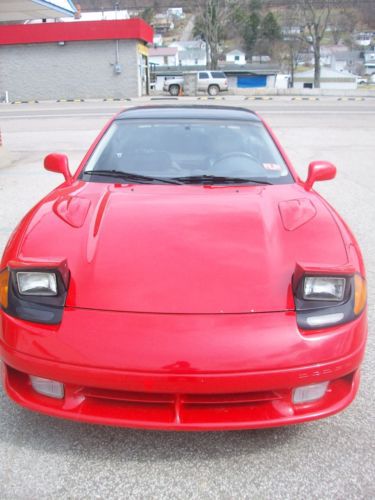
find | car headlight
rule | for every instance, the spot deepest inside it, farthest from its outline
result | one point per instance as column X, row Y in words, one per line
column 323, row 301
column 36, row 295
column 37, row 283
column 323, row 288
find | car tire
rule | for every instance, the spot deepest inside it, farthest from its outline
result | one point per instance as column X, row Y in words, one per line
column 174, row 89
column 213, row 90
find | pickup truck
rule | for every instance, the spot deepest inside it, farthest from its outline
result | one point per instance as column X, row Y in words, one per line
column 211, row 82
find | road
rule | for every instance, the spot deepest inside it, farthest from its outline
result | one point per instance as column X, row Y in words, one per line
column 334, row 458
column 188, row 30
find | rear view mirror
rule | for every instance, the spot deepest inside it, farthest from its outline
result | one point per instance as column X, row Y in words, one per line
column 56, row 162
column 319, row 171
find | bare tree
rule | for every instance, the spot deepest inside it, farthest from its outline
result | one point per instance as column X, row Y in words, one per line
column 211, row 21
column 315, row 16
column 367, row 9
column 342, row 22
column 294, row 48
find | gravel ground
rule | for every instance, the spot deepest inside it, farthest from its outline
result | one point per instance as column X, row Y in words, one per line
column 334, row 458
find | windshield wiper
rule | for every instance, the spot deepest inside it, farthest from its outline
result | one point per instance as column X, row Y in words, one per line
column 132, row 177
column 216, row 179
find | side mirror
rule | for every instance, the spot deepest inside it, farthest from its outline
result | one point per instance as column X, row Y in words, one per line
column 319, row 171
column 59, row 163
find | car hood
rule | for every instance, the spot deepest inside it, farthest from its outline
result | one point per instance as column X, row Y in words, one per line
column 182, row 249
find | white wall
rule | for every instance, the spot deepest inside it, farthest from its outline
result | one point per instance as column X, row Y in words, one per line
column 164, row 60
column 331, row 85
column 231, row 58
column 194, row 62
column 75, row 70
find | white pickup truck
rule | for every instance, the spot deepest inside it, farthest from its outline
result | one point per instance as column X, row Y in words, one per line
column 211, row 82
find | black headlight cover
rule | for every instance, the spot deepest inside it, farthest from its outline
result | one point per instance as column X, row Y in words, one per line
column 314, row 308
column 37, row 308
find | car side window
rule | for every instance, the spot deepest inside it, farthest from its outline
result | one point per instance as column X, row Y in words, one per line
column 203, row 76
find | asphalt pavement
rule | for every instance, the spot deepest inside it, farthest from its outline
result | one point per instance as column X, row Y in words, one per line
column 44, row 458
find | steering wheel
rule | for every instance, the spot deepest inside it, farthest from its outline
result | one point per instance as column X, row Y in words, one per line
column 253, row 168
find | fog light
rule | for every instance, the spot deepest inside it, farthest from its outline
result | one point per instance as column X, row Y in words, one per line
column 309, row 393
column 47, row 387
column 324, row 320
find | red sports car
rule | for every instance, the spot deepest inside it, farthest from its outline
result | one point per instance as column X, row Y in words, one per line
column 183, row 278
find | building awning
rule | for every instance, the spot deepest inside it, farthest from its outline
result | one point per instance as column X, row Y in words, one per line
column 17, row 34
column 22, row 10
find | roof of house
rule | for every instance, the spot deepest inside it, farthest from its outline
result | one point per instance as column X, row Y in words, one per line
column 192, row 54
column 228, row 69
column 349, row 55
column 326, row 73
column 188, row 44
column 235, row 52
column 162, row 51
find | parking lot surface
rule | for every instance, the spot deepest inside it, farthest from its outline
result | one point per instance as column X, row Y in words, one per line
column 334, row 458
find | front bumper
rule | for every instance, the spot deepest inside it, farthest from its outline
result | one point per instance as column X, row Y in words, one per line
column 180, row 372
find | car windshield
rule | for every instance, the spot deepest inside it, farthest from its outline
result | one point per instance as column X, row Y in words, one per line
column 186, row 151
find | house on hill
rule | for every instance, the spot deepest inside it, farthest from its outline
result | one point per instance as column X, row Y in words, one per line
column 235, row 57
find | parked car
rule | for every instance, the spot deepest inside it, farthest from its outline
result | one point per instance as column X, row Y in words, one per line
column 211, row 82
column 185, row 278
column 361, row 80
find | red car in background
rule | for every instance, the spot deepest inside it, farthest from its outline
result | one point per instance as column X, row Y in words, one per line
column 184, row 278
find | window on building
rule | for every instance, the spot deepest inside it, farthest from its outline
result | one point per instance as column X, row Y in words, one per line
column 236, row 58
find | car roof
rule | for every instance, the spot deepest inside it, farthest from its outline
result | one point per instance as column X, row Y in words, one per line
column 204, row 112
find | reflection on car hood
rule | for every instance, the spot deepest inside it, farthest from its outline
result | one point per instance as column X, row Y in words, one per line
column 182, row 249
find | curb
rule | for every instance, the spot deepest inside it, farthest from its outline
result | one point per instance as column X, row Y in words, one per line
column 258, row 98
column 70, row 100
column 161, row 98
column 209, row 98
column 109, row 99
column 203, row 98
column 351, row 98
column 34, row 101
column 305, row 99
column 25, row 102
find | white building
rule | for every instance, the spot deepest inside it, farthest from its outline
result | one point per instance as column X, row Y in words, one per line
column 236, row 57
column 369, row 63
column 193, row 57
column 191, row 52
column 369, row 57
column 363, row 39
column 330, row 79
column 370, row 68
column 163, row 56
column 176, row 12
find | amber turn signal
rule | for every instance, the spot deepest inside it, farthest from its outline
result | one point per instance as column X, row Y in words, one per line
column 360, row 294
column 4, row 280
